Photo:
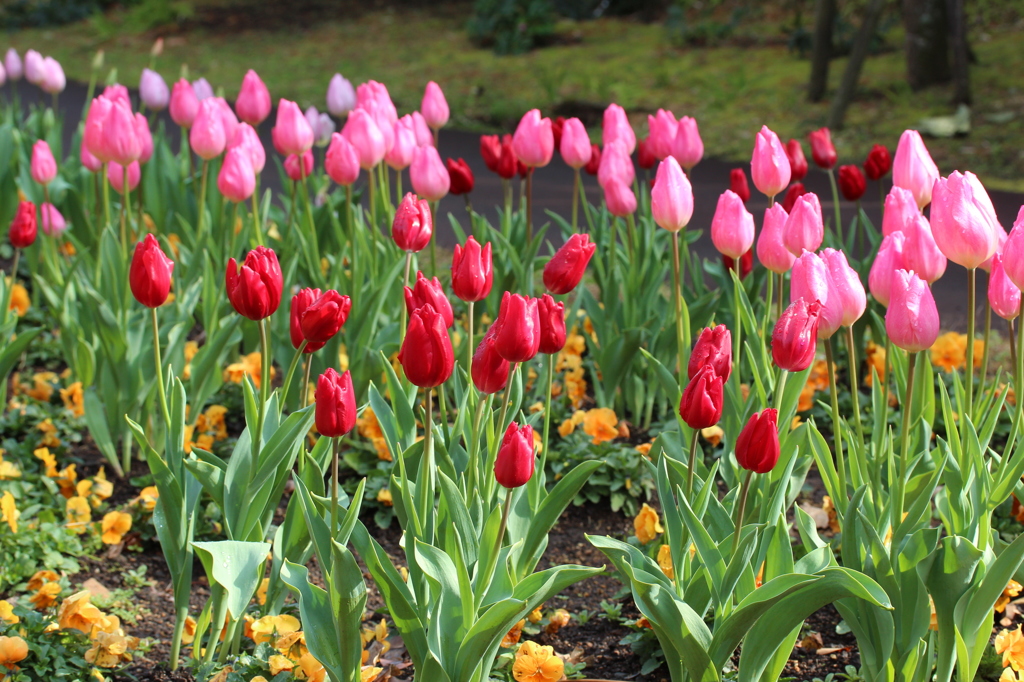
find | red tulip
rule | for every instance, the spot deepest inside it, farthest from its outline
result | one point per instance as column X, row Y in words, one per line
column 757, row 446
column 822, row 150
column 490, row 150
column 851, row 182
column 738, row 184
column 879, row 163
column 508, row 164
column 255, row 290
column 795, row 191
column 557, row 125
column 713, row 347
column 300, row 302
column 335, row 404
column 413, row 224
column 489, row 370
column 595, row 160
column 645, row 158
column 461, row 176
column 325, row 316
column 150, row 273
column 517, row 338
column 429, row 292
column 565, row 269
column 23, row 228
column 515, row 462
column 472, row 275
column 426, row 354
column 552, row 324
column 797, row 160
column 701, row 404
column 795, row 337
column 746, row 263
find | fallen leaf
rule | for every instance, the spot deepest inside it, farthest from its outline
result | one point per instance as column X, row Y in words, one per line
column 819, row 515
column 96, row 588
column 811, row 642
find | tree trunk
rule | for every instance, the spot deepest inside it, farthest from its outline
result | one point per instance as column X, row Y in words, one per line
column 859, row 52
column 927, row 27
column 961, row 52
column 821, row 51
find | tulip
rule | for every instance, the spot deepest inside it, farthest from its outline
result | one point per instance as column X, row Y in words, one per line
column 594, row 165
column 615, row 127
column 963, row 220
column 794, row 192
column 851, row 182
column 335, row 404
column 118, row 93
column 300, row 303
column 461, row 176
column 1001, row 237
column 413, row 225
column 373, row 98
column 34, row 69
column 732, row 228
column 757, row 446
column 713, row 347
column 620, row 199
column 153, row 90
column 1013, row 253
column 822, row 150
column 92, row 137
column 51, row 220
column 341, row 96
column 490, row 150
column 746, row 263
column 1003, row 295
column 574, row 146
column 248, row 141
column 804, row 228
column 325, row 317
column 795, row 336
column 552, row 325
column 342, row 161
column 889, row 260
column 797, row 160
column 878, row 164
column 913, row 168
column 22, row 232
column 253, row 103
column 566, row 267
column 811, row 281
column 912, row 320
column 557, row 124
column 662, row 129
column 847, row 285
column 644, row 157
column 54, row 80
column 920, row 252
column 701, row 404
column 115, row 175
column 12, row 62
column 738, row 184
column 237, row 179
column 769, row 166
column 434, row 107
column 517, row 338
column 472, row 276
column 426, row 354
column 118, row 138
column 489, row 370
column 615, row 166
column 255, row 290
column 292, row 131
column 687, row 147
column 364, row 135
column 202, row 89
column 514, row 464
column 299, row 167
column 771, row 250
column 91, row 163
column 401, row 154
column 533, row 142
column 428, row 174
column 900, row 209
column 150, row 273
column 145, row 138
column 43, row 167
column 671, row 196
column 184, row 104
column 207, row 135
column 429, row 292
column 424, row 138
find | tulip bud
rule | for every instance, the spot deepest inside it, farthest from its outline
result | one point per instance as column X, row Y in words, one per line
column 335, row 404
column 732, row 228
column 794, row 192
column 153, row 90
column 620, row 199
column 297, row 167
column 119, row 141
column 322, row 126
column 253, row 103
column 662, row 129
column 822, row 150
column 687, row 147
column 963, row 220
column 847, row 284
column 769, row 166
column 472, row 276
column 552, row 324
column 771, row 250
column 575, row 144
column 150, row 273
column 116, row 176
column 300, row 303
column 565, row 269
column 461, row 176
column 899, row 210
column 913, row 168
column 402, row 153
column 34, row 67
column 878, row 164
column 811, row 281
column 1003, row 295
column 248, row 141
column 424, row 138
column 738, row 184
column 429, row 292
column 795, row 336
column 644, row 157
column 428, row 174
column 797, row 160
column 557, row 124
column 292, row 131
column 594, row 165
column 207, row 136
column 1013, row 252
column 757, row 446
column 426, row 354
column 701, row 404
column 507, row 164
column 804, row 228
column 851, row 182
column 23, row 228
column 533, row 142
column 713, row 347
column 341, row 96
column 515, row 461
column 889, row 260
column 184, row 104
column 90, row 162
column 517, row 338
column 51, row 220
column 54, row 80
column 615, row 166
column 489, row 370
column 912, row 320
column 342, row 161
column 671, row 196
column 145, row 138
column 255, row 290
column 413, row 225
column 43, row 167
column 237, row 180
column 920, row 252
column 203, row 89
column 615, row 127
column 490, row 150
column 434, row 107
column 12, row 62
column 325, row 317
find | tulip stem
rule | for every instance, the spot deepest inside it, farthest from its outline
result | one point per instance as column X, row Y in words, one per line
column 694, row 444
column 529, row 205
column 433, row 239
column 474, row 451
column 335, row 447
column 575, row 197
column 202, row 204
column 257, row 437
column 737, row 336
column 780, row 392
column 631, row 236
column 539, row 476
column 1013, row 347
column 969, row 388
column 835, row 202
column 469, row 347
column 501, row 425
column 305, row 382
column 9, row 291
column 768, row 304
column 106, row 192
column 677, row 297
column 741, row 512
column 257, row 224
column 1018, row 374
column 405, row 311
column 854, row 387
column 837, row 435
column 125, row 210
column 984, row 354
column 782, row 285
column 425, row 487
column 901, row 482
column 506, row 190
column 161, row 389
column 492, row 561
column 291, row 373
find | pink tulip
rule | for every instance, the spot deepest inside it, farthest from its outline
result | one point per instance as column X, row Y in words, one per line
column 34, row 68
column 429, row 175
column 662, row 133
column 54, row 80
column 207, row 135
column 384, row 123
column 575, row 144
column 342, row 161
column 90, row 162
column 912, row 320
column 372, row 94
column 434, row 106
column 620, row 199
column 424, row 138
column 145, row 138
column 43, row 167
column 184, row 104
column 687, row 146
column 1001, row 241
column 237, row 179
column 299, row 166
column 913, row 168
column 732, row 228
column 118, row 93
column 963, row 220
column 12, row 62
column 769, row 166
column 533, row 142
column 771, row 251
column 93, row 136
column 1003, row 295
column 920, row 252
column 51, row 220
column 247, row 138
column 153, row 90
column 888, row 261
column 804, row 228
column 115, row 174
column 671, row 196
column 364, row 135
column 119, row 140
column 811, row 281
column 1013, row 252
column 322, row 126
column 401, row 153
column 253, row 103
column 900, row 209
column 615, row 127
column 616, row 165
column 341, row 96
column 847, row 285
column 292, row 131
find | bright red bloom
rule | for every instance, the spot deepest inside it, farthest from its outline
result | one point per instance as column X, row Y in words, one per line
column 851, row 182
column 413, row 224
column 426, row 355
column 23, row 228
column 150, row 273
column 517, row 338
column 757, row 446
column 879, row 162
column 472, row 275
column 335, row 404
column 713, row 347
column 508, row 164
column 595, row 160
column 490, row 150
column 515, row 462
column 255, row 289
column 429, row 292
column 461, row 176
column 738, row 184
column 701, row 404
column 325, row 316
column 795, row 337
column 644, row 156
column 797, row 160
column 565, row 269
column 489, row 370
column 300, row 301
column 795, row 191
column 552, row 324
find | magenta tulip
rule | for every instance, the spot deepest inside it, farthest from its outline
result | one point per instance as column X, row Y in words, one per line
column 671, row 196
column 889, row 260
column 620, row 199
column 207, row 136
column 342, row 161
column 615, row 165
column 900, row 209
column 533, row 142
column 253, row 103
column 115, row 174
column 363, row 134
column 1003, row 295
column 615, row 127
column 429, row 175
column 732, row 228
column 913, row 168
column 804, row 228
column 237, row 179
column 769, row 166
column 661, row 138
column 912, row 320
column 771, row 250
column 43, row 167
column 292, row 131
column 246, row 139
column 434, row 106
column 184, row 104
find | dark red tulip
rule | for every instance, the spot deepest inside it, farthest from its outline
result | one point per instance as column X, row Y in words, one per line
column 738, row 184
column 794, row 192
column 489, row 370
column 556, row 130
column 701, row 404
column 429, row 292
column 795, row 337
column 23, row 228
column 522, row 169
column 490, row 150
column 508, row 163
column 851, row 182
column 879, row 163
column 255, row 290
column 595, row 160
column 746, row 263
column 335, row 404
column 300, row 301
column 413, row 224
column 461, row 176
column 552, row 324
column 645, row 158
column 565, row 269
column 713, row 347
column 822, row 150
column 150, row 273
column 517, row 338
column 515, row 462
column 325, row 316
column 472, row 275
column 426, row 354
column 757, row 446
column 797, row 160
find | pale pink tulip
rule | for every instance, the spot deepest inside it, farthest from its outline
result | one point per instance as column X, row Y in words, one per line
column 253, row 104
column 184, row 104
column 533, row 142
column 913, row 168
column 429, row 175
column 247, row 138
column 342, row 161
column 575, row 144
column 207, row 135
column 364, row 135
column 963, row 220
column 43, row 167
column 732, row 228
column 615, row 127
column 805, row 229
column 620, row 199
column 400, row 156
column 153, row 90
column 115, row 174
column 671, row 196
column 920, row 252
column 51, row 221
column 54, row 80
column 12, row 62
column 237, row 178
column 616, row 165
column 34, row 69
column 900, row 209
column 912, row 320
column 1003, row 295
column 434, row 106
column 341, row 96
column 687, row 146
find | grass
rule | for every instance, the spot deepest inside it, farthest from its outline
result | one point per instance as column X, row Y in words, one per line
column 731, row 90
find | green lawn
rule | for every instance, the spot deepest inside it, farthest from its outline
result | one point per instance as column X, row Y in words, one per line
column 730, row 90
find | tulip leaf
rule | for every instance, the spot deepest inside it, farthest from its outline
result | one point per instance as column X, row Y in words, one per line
column 235, row 566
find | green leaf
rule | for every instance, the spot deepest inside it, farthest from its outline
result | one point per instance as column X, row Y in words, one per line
column 235, row 566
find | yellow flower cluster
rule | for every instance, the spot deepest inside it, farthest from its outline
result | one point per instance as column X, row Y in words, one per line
column 1010, row 643
column 210, row 426
column 20, row 301
column 600, row 423
column 13, row 650
column 817, row 380
column 535, row 663
column 251, row 365
column 1010, row 592
column 570, row 362
column 949, row 351
column 9, row 513
column 369, row 428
